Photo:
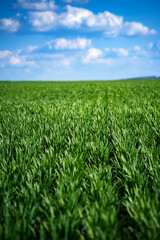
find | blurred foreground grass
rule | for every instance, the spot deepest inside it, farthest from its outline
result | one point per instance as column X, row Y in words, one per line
column 80, row 160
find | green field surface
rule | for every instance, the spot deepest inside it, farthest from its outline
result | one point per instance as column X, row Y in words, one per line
column 80, row 160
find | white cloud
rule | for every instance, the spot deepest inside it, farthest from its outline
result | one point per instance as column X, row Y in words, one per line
column 152, row 32
column 74, row 17
column 154, row 46
column 41, row 5
column 158, row 44
column 26, row 50
column 21, row 61
column 120, row 51
column 79, row 43
column 9, row 24
column 15, row 61
column 127, row 53
column 95, row 55
column 150, row 45
column 92, row 54
column 5, row 54
column 81, row 18
column 107, row 61
column 67, row 61
column 75, row 1
column 136, row 28
column 49, row 56
column 137, row 48
column 31, row 48
column 43, row 21
column 107, row 49
column 106, row 21
column 139, row 51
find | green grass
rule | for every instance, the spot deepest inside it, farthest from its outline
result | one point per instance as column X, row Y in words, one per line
column 80, row 160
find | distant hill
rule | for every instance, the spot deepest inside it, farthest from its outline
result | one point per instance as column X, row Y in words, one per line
column 146, row 77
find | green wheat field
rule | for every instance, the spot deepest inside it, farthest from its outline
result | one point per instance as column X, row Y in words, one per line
column 80, row 160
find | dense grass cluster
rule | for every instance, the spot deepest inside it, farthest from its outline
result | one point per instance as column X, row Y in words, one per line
column 80, row 160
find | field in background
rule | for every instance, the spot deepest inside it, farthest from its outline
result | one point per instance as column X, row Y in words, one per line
column 80, row 160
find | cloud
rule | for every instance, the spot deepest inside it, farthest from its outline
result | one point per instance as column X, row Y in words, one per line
column 150, row 45
column 9, row 24
column 33, row 57
column 106, row 21
column 92, row 54
column 95, row 56
column 137, row 48
column 48, row 20
column 75, row 1
column 5, row 54
column 136, row 28
column 31, row 48
column 120, row 51
column 158, row 44
column 155, row 47
column 74, row 17
column 84, row 19
column 138, row 51
column 43, row 21
column 67, row 61
column 27, row 50
column 21, row 61
column 79, row 43
column 104, row 60
column 48, row 56
column 41, row 5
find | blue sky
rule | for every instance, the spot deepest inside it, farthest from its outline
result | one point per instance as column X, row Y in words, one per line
column 79, row 39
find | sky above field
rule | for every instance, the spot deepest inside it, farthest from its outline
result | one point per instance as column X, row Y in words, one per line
column 79, row 39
